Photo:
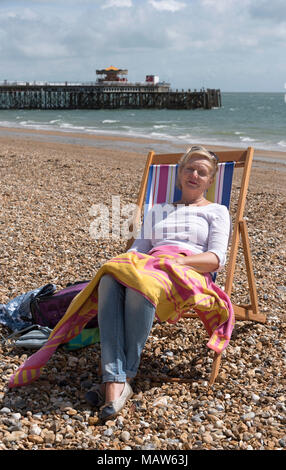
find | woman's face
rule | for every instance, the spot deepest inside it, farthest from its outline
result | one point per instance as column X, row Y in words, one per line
column 196, row 175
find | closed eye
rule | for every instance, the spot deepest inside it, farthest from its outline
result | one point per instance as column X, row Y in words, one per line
column 201, row 173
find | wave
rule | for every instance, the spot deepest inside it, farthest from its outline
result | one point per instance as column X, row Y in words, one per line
column 29, row 123
column 66, row 125
column 55, row 121
column 8, row 124
column 109, row 121
column 160, row 135
column 185, row 137
column 246, row 139
column 146, row 133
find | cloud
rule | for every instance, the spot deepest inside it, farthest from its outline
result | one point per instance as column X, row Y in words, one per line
column 263, row 9
column 189, row 43
column 221, row 6
column 117, row 3
column 167, row 5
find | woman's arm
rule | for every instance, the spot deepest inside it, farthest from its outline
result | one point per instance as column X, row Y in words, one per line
column 202, row 263
column 214, row 258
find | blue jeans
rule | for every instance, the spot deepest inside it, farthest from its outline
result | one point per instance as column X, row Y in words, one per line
column 125, row 318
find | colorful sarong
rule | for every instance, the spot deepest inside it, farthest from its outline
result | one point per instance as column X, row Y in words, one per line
column 172, row 289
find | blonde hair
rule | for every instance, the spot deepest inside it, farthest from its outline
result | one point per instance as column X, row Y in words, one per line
column 199, row 151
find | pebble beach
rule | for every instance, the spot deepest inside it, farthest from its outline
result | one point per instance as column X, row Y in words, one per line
column 47, row 190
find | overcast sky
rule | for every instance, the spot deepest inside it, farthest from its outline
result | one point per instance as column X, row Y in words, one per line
column 235, row 45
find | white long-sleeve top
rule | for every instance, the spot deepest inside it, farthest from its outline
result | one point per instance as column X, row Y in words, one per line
column 198, row 229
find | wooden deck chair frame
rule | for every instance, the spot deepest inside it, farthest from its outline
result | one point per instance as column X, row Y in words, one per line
column 242, row 159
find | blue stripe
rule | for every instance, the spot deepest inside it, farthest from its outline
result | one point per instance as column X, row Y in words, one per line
column 149, row 182
column 227, row 183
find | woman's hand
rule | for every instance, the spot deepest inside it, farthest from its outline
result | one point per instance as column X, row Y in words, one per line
column 202, row 263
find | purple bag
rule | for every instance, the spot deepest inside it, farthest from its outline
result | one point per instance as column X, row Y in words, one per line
column 48, row 310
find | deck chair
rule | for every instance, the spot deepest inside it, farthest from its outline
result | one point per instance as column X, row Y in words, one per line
column 158, row 186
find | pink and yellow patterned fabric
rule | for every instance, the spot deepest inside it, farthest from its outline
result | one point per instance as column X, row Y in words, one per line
column 173, row 289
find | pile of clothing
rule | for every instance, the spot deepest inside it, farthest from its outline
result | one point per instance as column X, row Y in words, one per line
column 33, row 315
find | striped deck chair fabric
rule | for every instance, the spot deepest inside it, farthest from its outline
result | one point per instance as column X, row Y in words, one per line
column 161, row 185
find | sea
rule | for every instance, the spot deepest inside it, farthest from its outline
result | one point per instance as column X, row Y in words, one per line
column 255, row 119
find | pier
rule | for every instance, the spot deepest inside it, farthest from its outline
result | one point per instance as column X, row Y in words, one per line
column 110, row 92
column 52, row 96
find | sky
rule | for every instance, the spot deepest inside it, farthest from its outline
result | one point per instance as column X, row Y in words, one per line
column 234, row 45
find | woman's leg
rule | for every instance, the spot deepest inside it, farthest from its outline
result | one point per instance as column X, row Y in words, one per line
column 111, row 296
column 139, row 317
column 125, row 319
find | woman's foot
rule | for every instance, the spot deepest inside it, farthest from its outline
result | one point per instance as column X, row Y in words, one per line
column 101, row 394
column 96, row 395
column 113, row 390
column 122, row 392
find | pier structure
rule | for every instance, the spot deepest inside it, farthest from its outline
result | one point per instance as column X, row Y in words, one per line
column 110, row 91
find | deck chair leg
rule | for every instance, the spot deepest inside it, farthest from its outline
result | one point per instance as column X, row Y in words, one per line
column 249, row 266
column 215, row 368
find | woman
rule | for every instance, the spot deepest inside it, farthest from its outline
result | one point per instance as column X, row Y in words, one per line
column 165, row 273
column 195, row 226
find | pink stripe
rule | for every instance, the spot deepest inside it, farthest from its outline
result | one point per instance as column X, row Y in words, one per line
column 168, row 292
column 163, row 180
column 169, row 275
column 29, row 375
column 169, row 250
column 159, row 275
column 203, row 300
column 182, row 291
